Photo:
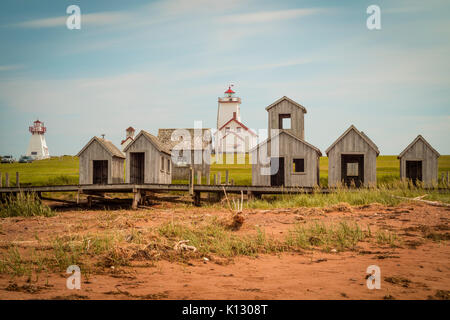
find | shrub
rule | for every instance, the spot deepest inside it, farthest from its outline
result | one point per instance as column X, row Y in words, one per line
column 24, row 205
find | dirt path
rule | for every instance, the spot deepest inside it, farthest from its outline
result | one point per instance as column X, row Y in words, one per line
column 419, row 268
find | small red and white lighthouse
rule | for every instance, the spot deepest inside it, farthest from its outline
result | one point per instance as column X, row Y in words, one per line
column 37, row 147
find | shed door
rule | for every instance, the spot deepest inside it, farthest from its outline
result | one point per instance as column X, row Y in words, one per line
column 414, row 171
column 137, row 167
column 352, row 169
column 277, row 171
column 100, row 172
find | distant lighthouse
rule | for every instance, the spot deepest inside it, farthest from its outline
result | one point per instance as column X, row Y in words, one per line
column 38, row 147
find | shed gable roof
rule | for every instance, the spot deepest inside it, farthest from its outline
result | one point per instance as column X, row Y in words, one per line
column 160, row 146
column 289, row 100
column 419, row 137
column 361, row 134
column 291, row 135
column 107, row 145
column 165, row 136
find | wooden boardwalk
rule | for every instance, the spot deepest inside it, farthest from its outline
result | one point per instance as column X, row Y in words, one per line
column 139, row 190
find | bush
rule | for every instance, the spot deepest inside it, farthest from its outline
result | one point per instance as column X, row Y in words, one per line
column 24, row 205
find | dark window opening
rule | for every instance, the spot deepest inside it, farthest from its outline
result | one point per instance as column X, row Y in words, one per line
column 284, row 121
column 298, row 165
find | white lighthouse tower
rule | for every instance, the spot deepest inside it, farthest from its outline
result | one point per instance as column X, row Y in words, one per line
column 229, row 108
column 37, row 148
column 232, row 136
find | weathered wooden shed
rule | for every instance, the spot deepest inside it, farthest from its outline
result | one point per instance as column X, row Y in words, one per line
column 288, row 115
column 101, row 162
column 191, row 146
column 296, row 163
column 419, row 162
column 352, row 160
column 148, row 160
column 285, row 158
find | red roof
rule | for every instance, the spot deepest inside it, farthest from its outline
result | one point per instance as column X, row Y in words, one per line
column 130, row 129
column 239, row 123
column 229, row 90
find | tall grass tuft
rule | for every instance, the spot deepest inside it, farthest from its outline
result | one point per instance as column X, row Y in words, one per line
column 343, row 236
column 24, row 205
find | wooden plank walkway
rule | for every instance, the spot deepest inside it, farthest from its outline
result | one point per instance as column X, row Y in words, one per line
column 130, row 188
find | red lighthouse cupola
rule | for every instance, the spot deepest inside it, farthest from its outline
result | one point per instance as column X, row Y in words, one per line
column 229, row 92
column 37, row 128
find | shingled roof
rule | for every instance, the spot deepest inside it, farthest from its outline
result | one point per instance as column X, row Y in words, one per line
column 108, row 145
column 281, row 131
column 203, row 141
column 419, row 137
column 361, row 134
column 153, row 140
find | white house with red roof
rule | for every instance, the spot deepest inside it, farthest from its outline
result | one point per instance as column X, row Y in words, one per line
column 129, row 137
column 232, row 135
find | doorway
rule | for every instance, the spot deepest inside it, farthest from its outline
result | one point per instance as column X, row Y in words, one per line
column 137, row 167
column 100, row 172
column 414, row 171
column 352, row 169
column 277, row 176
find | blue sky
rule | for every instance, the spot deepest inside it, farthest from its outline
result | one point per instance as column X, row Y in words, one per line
column 162, row 64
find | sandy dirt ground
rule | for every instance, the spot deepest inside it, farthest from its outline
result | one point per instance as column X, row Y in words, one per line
column 418, row 268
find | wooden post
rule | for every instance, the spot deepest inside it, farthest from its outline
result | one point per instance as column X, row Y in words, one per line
column 226, row 177
column 442, row 178
column 215, row 179
column 208, row 179
column 219, row 178
column 7, row 179
column 17, row 180
column 89, row 201
column 250, row 196
column 136, row 199
column 191, row 181
column 197, row 199
column 232, row 182
column 78, row 196
column 199, row 177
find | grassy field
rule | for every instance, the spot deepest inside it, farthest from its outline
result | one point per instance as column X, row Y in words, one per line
column 64, row 170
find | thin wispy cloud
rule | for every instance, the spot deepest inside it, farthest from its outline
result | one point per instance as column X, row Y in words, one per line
column 268, row 16
column 90, row 19
column 11, row 67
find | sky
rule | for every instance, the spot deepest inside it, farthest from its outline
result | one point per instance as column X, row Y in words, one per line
column 163, row 64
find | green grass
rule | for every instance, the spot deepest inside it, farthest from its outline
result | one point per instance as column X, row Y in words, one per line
column 64, row 170
column 54, row 171
column 24, row 205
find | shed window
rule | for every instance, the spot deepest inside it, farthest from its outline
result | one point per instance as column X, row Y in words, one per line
column 162, row 163
column 168, row 165
column 238, row 129
column 298, row 165
column 352, row 169
column 284, row 121
column 227, row 129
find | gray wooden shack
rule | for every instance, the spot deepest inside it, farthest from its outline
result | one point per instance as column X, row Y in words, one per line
column 187, row 152
column 285, row 158
column 286, row 114
column 148, row 160
column 296, row 164
column 419, row 162
column 352, row 160
column 101, row 162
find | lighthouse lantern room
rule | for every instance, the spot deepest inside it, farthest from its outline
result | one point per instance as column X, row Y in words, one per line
column 37, row 147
